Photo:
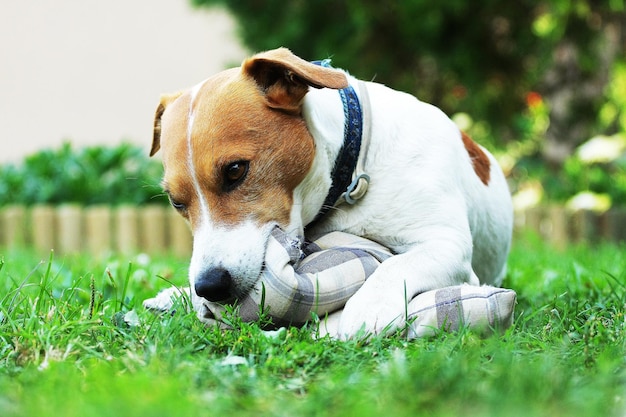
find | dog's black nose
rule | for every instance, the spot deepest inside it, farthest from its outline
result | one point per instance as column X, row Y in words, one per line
column 214, row 284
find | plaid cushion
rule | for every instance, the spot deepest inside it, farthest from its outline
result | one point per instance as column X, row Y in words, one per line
column 322, row 276
column 319, row 277
column 479, row 308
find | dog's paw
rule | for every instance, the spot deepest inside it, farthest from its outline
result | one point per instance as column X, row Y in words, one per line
column 363, row 320
column 165, row 300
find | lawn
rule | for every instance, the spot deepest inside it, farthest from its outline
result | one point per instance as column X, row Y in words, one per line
column 74, row 341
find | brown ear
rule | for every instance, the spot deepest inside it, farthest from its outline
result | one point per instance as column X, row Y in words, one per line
column 166, row 99
column 285, row 78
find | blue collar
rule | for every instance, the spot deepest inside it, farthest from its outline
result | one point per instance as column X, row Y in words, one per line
column 346, row 161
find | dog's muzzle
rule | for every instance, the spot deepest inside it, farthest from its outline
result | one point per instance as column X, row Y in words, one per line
column 214, row 285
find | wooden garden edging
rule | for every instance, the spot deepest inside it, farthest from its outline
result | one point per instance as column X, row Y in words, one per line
column 561, row 226
column 159, row 229
column 151, row 229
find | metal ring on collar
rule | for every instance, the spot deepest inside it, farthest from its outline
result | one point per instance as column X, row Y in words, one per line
column 357, row 188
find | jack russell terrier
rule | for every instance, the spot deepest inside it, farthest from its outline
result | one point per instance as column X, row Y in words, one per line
column 273, row 143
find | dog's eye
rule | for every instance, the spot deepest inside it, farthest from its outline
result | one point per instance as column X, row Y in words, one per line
column 177, row 204
column 234, row 174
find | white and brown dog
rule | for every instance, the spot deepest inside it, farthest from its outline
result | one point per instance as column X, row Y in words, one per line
column 255, row 147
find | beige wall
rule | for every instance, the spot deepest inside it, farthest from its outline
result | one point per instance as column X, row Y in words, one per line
column 92, row 70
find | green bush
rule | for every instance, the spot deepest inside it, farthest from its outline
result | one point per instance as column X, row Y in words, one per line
column 599, row 178
column 93, row 175
column 597, row 167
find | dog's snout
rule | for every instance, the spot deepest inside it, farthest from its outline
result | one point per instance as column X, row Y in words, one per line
column 214, row 284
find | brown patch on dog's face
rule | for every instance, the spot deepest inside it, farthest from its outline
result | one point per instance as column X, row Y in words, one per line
column 247, row 157
column 480, row 161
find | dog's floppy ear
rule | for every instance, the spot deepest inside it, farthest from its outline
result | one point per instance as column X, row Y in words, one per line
column 285, row 78
column 166, row 99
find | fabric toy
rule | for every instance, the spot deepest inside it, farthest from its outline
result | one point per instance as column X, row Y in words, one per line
column 301, row 280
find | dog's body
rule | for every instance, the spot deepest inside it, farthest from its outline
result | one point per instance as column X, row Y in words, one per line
column 254, row 147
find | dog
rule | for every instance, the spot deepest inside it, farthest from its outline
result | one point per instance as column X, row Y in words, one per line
column 263, row 145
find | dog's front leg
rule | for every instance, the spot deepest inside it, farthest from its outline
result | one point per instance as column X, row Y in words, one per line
column 379, row 307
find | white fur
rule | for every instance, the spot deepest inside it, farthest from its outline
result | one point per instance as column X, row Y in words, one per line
column 204, row 209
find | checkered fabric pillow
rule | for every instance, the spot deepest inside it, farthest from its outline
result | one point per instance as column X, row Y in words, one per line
column 482, row 309
column 319, row 277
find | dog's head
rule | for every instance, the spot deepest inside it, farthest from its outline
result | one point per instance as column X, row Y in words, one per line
column 234, row 149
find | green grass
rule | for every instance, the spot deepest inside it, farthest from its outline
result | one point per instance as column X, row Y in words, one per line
column 66, row 350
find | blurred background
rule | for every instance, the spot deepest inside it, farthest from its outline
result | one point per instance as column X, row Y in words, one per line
column 540, row 83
